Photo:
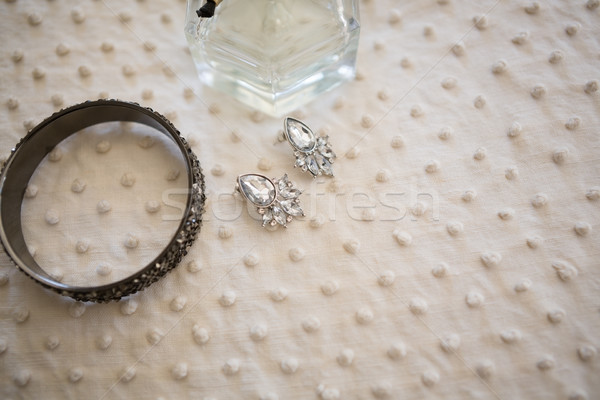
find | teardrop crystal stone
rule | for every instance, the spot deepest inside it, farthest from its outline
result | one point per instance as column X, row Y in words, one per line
column 300, row 135
column 257, row 189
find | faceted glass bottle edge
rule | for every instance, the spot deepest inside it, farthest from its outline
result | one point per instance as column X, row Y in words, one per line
column 269, row 102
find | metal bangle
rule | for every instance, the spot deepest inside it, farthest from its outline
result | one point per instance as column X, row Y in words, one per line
column 31, row 150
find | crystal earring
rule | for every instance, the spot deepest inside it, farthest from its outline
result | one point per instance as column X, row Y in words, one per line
column 313, row 153
column 276, row 200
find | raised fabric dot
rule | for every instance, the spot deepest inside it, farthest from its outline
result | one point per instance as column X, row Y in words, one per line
column 327, row 393
column 231, row 367
column 154, row 336
column 128, row 179
column 364, row 315
column 402, row 238
column 251, row 260
column 394, row 16
column 367, row 121
column 225, row 232
column 127, row 374
column 556, row 56
column 546, row 362
column 506, row 214
column 582, row 228
column 564, row 270
column 103, row 146
column 296, row 254
column 228, row 298
column 520, row 38
column 52, row 342
column 279, row 294
column 75, row 375
column 479, row 101
column 474, row 299
column 480, row 21
column 265, row 164
column 432, row 166
column 3, row 279
column 20, row 314
column 539, row 200
column 450, row 343
column 485, row 369
column 52, row 217
column 572, row 28
column 469, row 195
column 77, row 15
column 352, row 246
column 573, row 123
column 591, row 86
column 131, row 241
column 17, row 56
column 397, row 142
column 449, row 82
column 172, row 175
column 418, row 306
column 556, row 316
column 104, row 270
column 406, row 62
column 12, row 103
column 55, row 155
column 84, row 71
column 152, row 206
column 440, row 270
column 511, row 173
column 538, row 91
column 386, row 278
column 416, row 111
column 510, row 336
column 179, row 371
column 454, row 227
column 129, row 306
column 458, row 49
column 491, row 259
column 34, row 19
column 57, row 100
column 593, row 193
column 534, row 241
column 430, row 378
column 587, row 352
column 21, row 377
column 200, row 335
column 289, row 365
column 532, row 8
column 178, row 303
column 578, row 395
column 560, row 155
column 397, row 351
column 445, row 133
column 311, row 324
column 258, row 332
column 592, row 5
column 382, row 390
column 103, row 342
column 38, row 73
column 523, row 286
column 514, row 130
column 329, row 288
column 345, row 357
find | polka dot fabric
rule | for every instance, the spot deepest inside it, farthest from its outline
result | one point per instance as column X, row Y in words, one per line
column 454, row 254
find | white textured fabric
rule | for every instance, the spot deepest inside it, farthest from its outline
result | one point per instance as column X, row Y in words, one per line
column 454, row 255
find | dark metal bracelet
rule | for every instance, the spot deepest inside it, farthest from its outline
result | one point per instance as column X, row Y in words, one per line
column 32, row 149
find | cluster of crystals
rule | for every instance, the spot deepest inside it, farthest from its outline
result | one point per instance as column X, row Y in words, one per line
column 276, row 200
column 312, row 153
column 172, row 255
column 318, row 161
column 286, row 205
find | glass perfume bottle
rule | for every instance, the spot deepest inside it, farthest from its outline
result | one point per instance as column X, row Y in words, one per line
column 274, row 55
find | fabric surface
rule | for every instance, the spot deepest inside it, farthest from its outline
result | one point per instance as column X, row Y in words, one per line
column 454, row 254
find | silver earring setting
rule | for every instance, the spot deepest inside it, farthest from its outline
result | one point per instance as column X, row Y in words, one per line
column 313, row 154
column 276, row 200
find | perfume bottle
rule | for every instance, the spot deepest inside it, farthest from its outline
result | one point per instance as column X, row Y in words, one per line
column 274, row 55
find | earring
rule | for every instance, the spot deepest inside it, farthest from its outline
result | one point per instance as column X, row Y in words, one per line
column 276, row 200
column 313, row 154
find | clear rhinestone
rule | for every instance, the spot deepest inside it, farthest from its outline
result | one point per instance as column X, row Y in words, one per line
column 257, row 189
column 267, row 217
column 291, row 208
column 324, row 164
column 290, row 193
column 279, row 215
column 300, row 135
column 312, row 165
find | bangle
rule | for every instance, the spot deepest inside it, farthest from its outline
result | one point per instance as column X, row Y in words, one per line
column 31, row 150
